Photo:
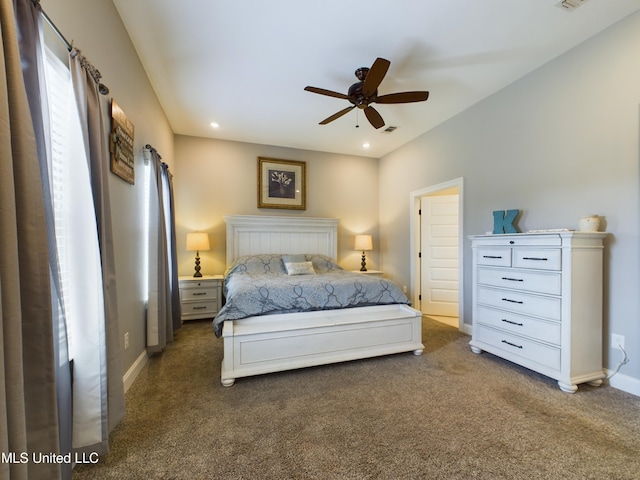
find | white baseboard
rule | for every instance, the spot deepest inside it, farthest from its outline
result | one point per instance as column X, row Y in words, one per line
column 623, row 382
column 135, row 370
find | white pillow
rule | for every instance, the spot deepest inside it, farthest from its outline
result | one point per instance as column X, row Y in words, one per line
column 299, row 268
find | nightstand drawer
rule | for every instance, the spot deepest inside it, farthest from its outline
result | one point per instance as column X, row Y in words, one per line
column 546, row 307
column 199, row 294
column 520, row 325
column 538, row 282
column 200, row 309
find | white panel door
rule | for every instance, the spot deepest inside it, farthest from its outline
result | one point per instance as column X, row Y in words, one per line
column 439, row 260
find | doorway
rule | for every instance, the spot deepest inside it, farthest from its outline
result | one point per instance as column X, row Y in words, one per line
column 436, row 274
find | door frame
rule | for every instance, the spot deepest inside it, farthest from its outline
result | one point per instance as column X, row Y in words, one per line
column 415, row 244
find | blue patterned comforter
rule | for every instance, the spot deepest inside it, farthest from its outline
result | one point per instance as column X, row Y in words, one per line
column 259, row 285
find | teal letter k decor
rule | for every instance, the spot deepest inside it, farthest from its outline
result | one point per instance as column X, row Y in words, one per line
column 503, row 221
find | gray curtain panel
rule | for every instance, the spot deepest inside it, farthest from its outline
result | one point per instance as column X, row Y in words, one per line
column 163, row 310
column 28, row 403
column 173, row 254
column 29, row 23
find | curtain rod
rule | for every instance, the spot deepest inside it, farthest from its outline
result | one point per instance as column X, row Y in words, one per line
column 102, row 88
column 152, row 150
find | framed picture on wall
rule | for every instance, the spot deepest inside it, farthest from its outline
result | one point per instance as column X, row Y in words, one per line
column 121, row 144
column 282, row 184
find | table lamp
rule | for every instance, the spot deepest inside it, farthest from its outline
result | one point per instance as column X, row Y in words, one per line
column 196, row 242
column 364, row 242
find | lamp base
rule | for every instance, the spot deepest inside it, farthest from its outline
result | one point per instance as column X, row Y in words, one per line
column 363, row 264
column 197, row 267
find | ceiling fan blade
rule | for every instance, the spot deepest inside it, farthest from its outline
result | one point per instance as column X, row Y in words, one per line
column 328, row 93
column 374, row 77
column 403, row 97
column 337, row 115
column 374, row 117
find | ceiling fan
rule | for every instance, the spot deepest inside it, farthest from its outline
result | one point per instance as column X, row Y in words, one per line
column 361, row 94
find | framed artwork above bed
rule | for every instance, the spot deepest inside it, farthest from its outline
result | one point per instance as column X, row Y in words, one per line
column 282, row 184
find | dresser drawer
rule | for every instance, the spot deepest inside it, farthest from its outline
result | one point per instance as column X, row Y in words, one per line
column 538, row 282
column 518, row 302
column 199, row 294
column 200, row 309
column 497, row 256
column 515, row 345
column 539, row 258
column 534, row 328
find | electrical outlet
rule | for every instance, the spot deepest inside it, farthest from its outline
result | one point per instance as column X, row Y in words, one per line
column 404, row 289
column 126, row 340
column 617, row 341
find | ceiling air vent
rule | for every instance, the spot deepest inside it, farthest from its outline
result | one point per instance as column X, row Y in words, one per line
column 570, row 5
column 389, row 129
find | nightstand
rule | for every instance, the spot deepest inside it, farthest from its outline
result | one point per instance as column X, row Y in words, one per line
column 200, row 297
column 375, row 273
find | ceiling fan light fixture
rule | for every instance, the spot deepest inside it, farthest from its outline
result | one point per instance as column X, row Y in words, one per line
column 365, row 92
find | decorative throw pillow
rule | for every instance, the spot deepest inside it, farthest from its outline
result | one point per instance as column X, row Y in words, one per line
column 293, row 259
column 299, row 268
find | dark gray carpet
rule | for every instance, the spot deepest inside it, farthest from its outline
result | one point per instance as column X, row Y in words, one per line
column 447, row 414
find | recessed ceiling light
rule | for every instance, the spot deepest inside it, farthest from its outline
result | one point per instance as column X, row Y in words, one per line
column 365, row 145
column 215, row 125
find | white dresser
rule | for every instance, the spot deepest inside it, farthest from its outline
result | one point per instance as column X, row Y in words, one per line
column 200, row 297
column 537, row 301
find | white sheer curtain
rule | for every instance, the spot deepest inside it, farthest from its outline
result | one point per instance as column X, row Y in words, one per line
column 79, row 254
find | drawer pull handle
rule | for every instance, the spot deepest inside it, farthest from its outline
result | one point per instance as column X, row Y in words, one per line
column 535, row 258
column 512, row 301
column 200, row 308
column 513, row 279
column 197, row 294
column 512, row 344
column 512, row 322
column 491, row 256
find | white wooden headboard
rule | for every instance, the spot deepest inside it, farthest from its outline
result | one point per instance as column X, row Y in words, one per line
column 255, row 234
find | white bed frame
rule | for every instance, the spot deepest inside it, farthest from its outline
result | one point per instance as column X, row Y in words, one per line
column 266, row 344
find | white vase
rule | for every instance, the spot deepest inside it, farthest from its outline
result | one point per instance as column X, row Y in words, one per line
column 589, row 223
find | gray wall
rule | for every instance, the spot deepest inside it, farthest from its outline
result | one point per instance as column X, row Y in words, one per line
column 558, row 144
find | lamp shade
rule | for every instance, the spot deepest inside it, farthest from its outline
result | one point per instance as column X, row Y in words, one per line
column 364, row 242
column 197, row 241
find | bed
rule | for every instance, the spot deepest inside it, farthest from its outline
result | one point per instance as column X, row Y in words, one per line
column 350, row 316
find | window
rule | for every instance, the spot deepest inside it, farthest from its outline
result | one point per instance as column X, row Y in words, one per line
column 74, row 214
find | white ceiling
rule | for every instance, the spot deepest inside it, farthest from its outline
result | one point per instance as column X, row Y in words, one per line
column 244, row 63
